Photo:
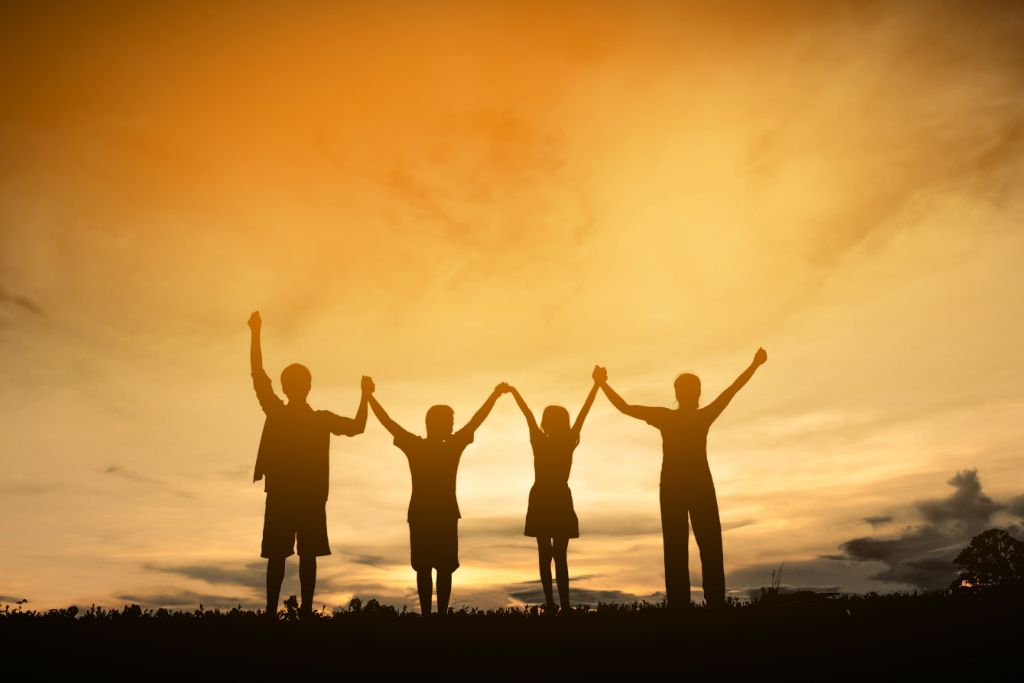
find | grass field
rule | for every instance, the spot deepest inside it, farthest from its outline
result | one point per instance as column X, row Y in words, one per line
column 823, row 638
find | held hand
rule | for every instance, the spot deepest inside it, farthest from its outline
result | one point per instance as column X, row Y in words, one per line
column 367, row 385
column 760, row 357
column 600, row 374
column 255, row 322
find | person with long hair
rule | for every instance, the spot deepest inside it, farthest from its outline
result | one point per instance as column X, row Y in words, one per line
column 550, row 516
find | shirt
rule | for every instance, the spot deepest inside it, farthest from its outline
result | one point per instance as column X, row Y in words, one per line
column 552, row 458
column 293, row 457
column 433, row 466
column 684, row 442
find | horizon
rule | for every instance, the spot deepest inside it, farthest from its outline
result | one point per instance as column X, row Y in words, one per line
column 446, row 197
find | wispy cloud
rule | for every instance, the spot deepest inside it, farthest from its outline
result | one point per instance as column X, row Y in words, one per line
column 20, row 301
column 180, row 599
column 139, row 478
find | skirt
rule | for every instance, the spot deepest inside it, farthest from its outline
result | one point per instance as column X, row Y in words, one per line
column 550, row 513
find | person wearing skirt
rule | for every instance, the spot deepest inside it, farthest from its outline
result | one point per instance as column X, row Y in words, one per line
column 550, row 516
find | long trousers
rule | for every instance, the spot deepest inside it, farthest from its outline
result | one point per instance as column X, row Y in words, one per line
column 693, row 501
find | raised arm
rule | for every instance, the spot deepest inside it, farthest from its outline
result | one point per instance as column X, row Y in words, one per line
column 485, row 410
column 269, row 401
column 600, row 375
column 646, row 413
column 715, row 408
column 531, row 421
column 255, row 351
column 351, row 426
column 396, row 429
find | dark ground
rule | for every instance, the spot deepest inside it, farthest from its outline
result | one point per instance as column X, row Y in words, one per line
column 811, row 637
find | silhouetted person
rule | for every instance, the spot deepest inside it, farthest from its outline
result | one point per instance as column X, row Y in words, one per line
column 433, row 508
column 686, row 485
column 293, row 460
column 550, row 517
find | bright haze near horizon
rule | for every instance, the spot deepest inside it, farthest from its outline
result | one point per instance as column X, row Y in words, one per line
column 444, row 197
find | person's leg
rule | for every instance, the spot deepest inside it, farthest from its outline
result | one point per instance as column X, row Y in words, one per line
column 444, row 591
column 707, row 529
column 275, row 575
column 544, row 560
column 307, row 581
column 561, row 550
column 425, row 587
column 675, row 529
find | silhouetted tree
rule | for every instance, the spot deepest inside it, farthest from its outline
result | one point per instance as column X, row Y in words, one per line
column 994, row 558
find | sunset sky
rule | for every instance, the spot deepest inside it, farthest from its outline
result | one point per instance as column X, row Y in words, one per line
column 445, row 196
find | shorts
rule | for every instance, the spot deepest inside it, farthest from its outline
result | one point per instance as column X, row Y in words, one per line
column 434, row 544
column 286, row 519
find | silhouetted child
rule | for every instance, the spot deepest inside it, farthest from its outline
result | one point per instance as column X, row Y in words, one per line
column 433, row 508
column 293, row 460
column 686, row 485
column 550, row 517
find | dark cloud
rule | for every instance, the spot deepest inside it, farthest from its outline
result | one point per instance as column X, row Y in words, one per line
column 12, row 599
column 968, row 506
column 19, row 301
column 598, row 525
column 878, row 520
column 251, row 575
column 372, row 560
column 1016, row 506
column 922, row 556
column 179, row 599
column 139, row 478
column 534, row 595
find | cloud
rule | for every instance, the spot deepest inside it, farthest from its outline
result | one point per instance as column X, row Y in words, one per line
column 251, row 575
column 370, row 559
column 19, row 301
column 878, row 520
column 922, row 556
column 968, row 506
column 582, row 596
column 172, row 598
column 25, row 489
column 1016, row 506
column 11, row 598
column 139, row 478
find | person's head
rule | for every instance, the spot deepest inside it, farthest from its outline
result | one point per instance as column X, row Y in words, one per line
column 440, row 422
column 296, row 381
column 555, row 421
column 687, row 390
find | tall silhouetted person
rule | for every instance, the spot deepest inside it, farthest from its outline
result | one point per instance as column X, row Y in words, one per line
column 433, row 508
column 550, row 517
column 293, row 460
column 686, row 485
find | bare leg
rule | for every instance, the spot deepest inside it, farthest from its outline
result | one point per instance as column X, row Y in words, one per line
column 425, row 587
column 544, row 559
column 307, row 581
column 444, row 592
column 275, row 575
column 560, row 550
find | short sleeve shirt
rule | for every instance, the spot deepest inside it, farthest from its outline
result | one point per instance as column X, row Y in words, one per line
column 684, row 442
column 294, row 452
column 434, row 466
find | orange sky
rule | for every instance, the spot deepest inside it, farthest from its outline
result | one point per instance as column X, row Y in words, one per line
column 445, row 197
